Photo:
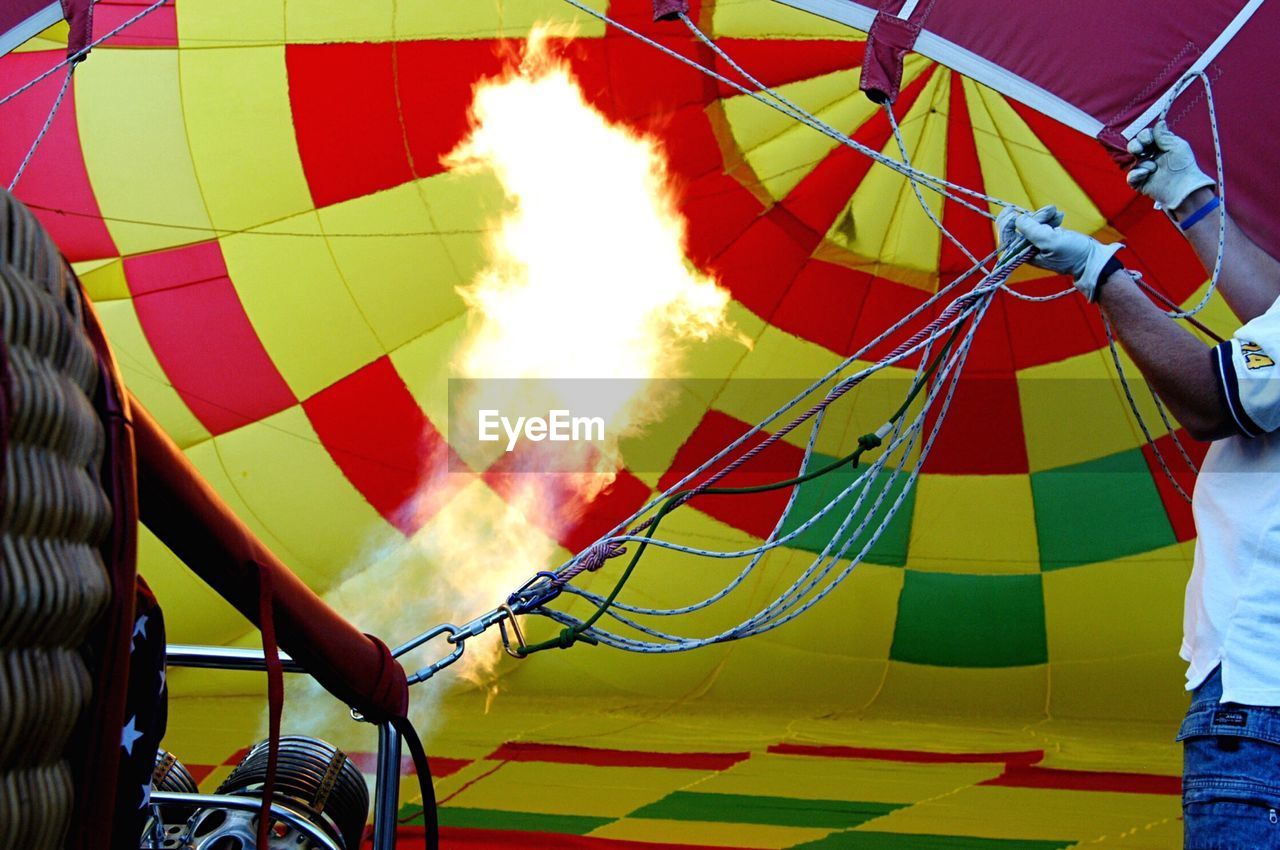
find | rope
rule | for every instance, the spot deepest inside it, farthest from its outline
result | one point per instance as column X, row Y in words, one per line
column 789, row 405
column 593, row 561
column 1173, row 433
column 80, row 54
column 1022, row 296
column 567, row 637
column 945, row 368
column 915, row 187
column 772, row 541
column 787, row 605
column 953, row 371
column 1183, row 84
column 975, row 302
column 864, row 444
column 757, row 555
column 1142, row 423
column 48, row 122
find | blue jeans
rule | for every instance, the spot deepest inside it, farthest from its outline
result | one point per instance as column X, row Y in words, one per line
column 1230, row 773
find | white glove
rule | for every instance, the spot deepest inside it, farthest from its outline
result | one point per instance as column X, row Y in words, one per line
column 1006, row 223
column 1166, row 171
column 1059, row 250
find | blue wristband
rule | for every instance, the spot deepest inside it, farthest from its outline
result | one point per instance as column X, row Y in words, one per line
column 1193, row 219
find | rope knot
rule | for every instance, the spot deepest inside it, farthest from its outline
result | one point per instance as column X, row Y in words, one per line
column 869, row 441
column 601, row 552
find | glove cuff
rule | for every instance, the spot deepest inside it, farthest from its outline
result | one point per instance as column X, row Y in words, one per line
column 1183, row 189
column 1109, row 268
column 1099, row 256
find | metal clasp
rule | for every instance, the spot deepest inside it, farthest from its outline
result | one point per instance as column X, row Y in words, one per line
column 519, row 652
column 451, row 633
column 526, row 598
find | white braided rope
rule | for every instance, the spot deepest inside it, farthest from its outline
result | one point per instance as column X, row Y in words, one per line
column 1222, row 187
column 803, row 593
column 788, row 605
column 44, row 128
column 1137, row 414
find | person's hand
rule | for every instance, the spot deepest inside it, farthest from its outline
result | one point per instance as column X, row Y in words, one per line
column 1057, row 249
column 1166, row 171
column 1005, row 223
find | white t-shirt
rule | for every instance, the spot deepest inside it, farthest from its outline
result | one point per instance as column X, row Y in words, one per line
column 1232, row 614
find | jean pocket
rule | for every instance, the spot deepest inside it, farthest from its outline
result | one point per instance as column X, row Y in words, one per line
column 1230, row 824
column 1223, row 767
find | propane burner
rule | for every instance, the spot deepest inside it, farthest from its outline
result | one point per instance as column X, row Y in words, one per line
column 314, row 779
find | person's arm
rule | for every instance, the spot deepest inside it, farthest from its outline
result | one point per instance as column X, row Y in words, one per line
column 1201, row 385
column 1180, row 368
column 1250, row 280
column 1167, row 172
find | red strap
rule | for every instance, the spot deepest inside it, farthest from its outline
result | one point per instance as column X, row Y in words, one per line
column 79, row 15
column 668, row 10
column 888, row 41
column 275, row 699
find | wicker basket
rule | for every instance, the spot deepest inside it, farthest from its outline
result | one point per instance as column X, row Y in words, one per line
column 53, row 517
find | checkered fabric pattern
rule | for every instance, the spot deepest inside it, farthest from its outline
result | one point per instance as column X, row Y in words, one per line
column 637, row 777
column 255, row 198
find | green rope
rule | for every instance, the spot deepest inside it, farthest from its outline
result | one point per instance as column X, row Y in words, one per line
column 570, row 635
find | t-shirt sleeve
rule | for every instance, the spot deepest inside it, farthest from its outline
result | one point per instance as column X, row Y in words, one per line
column 1249, row 378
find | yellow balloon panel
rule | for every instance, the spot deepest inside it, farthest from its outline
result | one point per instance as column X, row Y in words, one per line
column 1017, row 167
column 401, row 276
column 103, row 280
column 269, row 461
column 145, row 183
column 207, row 458
column 234, row 23
column 993, row 693
column 466, row 19
column 852, row 648
column 889, row 223
column 781, row 151
column 770, row 19
column 1051, row 397
column 239, row 126
column 982, row 524
column 295, row 296
column 426, row 365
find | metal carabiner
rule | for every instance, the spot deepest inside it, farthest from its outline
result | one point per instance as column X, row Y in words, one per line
column 533, row 601
column 413, row 643
column 431, row 669
column 515, row 627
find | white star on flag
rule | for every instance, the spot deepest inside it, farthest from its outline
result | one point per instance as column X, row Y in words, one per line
column 130, row 734
column 139, row 628
column 146, row 795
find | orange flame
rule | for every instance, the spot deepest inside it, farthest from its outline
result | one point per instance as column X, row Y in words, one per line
column 586, row 278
